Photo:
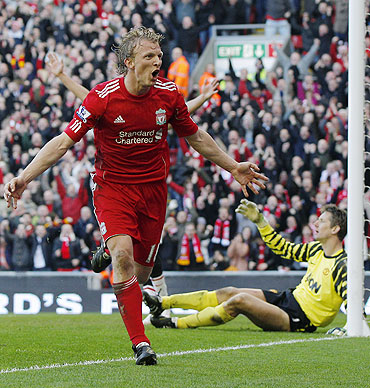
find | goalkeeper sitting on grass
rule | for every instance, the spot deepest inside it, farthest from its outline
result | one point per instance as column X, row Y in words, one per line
column 313, row 303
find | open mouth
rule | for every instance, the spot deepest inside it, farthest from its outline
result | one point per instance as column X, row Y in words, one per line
column 155, row 73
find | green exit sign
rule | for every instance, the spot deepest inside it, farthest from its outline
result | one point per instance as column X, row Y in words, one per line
column 241, row 50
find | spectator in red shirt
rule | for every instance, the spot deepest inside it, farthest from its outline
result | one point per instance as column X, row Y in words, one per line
column 72, row 201
column 66, row 250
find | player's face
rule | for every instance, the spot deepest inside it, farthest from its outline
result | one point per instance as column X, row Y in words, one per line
column 147, row 63
column 323, row 227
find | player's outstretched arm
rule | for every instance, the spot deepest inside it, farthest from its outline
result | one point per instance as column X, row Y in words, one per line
column 250, row 210
column 56, row 67
column 46, row 157
column 246, row 174
column 208, row 91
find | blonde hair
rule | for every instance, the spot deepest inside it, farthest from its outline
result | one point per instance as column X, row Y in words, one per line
column 130, row 41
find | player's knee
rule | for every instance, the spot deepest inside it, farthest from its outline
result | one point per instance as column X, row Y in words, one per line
column 226, row 293
column 122, row 261
column 120, row 254
column 239, row 302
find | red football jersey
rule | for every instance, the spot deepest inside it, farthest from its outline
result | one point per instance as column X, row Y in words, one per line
column 130, row 131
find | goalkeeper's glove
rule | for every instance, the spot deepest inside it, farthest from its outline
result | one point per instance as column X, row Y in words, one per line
column 249, row 210
column 338, row 331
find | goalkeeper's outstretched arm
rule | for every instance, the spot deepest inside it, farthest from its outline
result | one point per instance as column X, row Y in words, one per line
column 276, row 242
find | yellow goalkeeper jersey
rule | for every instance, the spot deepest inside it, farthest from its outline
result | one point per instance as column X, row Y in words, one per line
column 324, row 286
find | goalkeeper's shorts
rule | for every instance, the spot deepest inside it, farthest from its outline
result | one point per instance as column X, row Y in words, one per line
column 286, row 301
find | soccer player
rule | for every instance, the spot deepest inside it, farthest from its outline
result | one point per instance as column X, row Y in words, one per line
column 130, row 117
column 101, row 257
column 313, row 303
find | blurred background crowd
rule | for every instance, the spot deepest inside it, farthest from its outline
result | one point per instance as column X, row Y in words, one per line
column 291, row 121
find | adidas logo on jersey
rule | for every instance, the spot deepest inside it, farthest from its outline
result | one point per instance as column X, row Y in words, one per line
column 119, row 120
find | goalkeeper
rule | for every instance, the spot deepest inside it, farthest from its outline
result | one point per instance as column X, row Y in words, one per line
column 313, row 303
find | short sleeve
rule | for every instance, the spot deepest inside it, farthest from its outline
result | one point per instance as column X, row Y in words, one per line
column 86, row 116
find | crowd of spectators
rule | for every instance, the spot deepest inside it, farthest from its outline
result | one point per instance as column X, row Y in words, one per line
column 291, row 121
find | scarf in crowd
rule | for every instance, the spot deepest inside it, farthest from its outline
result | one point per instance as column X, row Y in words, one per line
column 221, row 233
column 65, row 253
column 184, row 258
column 17, row 63
column 3, row 263
column 261, row 253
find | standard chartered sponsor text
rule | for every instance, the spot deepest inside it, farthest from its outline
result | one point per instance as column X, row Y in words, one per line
column 136, row 137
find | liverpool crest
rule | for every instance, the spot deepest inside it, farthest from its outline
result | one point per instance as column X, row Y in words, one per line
column 161, row 116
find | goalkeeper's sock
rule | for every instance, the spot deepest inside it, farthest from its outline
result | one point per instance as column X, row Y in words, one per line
column 129, row 299
column 210, row 316
column 197, row 300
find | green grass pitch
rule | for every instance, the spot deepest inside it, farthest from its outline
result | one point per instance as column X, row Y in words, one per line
column 67, row 350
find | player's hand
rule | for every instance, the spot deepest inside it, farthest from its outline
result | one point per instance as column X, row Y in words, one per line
column 210, row 88
column 247, row 174
column 249, row 210
column 13, row 191
column 54, row 64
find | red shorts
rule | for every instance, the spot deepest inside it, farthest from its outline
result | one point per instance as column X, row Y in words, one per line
column 137, row 210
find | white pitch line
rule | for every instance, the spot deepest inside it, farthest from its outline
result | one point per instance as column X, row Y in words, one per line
column 171, row 354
